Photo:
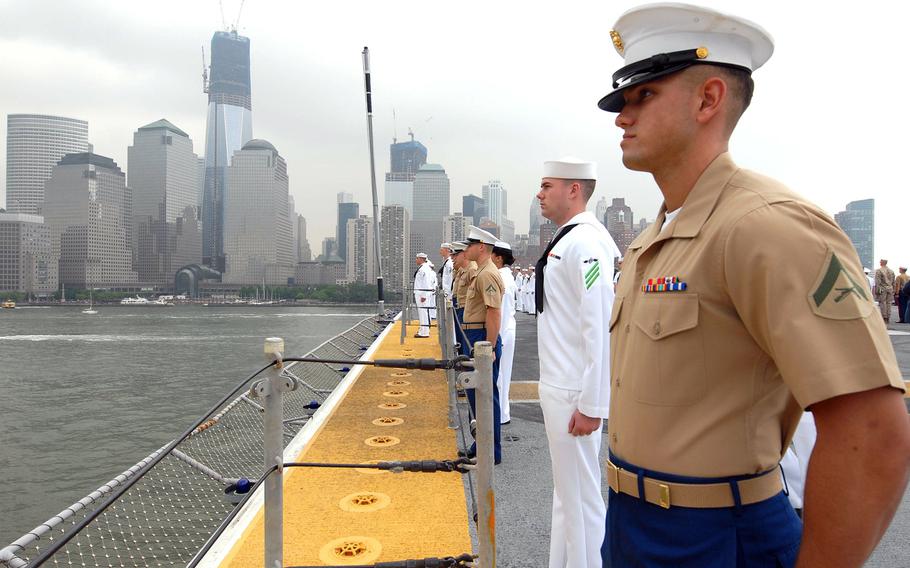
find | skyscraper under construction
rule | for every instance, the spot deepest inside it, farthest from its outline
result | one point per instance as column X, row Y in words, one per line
column 229, row 126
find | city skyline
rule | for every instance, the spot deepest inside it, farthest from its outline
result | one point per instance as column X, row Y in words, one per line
column 309, row 99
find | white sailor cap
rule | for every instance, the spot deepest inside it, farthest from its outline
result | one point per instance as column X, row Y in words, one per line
column 422, row 255
column 478, row 235
column 570, row 167
column 446, row 246
column 659, row 39
column 459, row 246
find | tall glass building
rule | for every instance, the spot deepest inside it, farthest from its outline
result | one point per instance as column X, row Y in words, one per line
column 34, row 145
column 858, row 221
column 229, row 126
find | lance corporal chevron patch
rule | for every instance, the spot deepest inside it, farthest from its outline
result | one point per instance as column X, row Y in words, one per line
column 837, row 294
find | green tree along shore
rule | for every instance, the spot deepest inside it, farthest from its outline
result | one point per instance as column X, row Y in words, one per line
column 331, row 293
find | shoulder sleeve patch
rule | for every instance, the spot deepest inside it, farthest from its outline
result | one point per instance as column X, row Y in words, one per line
column 592, row 272
column 839, row 295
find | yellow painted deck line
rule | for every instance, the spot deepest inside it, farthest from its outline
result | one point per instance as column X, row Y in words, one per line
column 427, row 514
column 523, row 391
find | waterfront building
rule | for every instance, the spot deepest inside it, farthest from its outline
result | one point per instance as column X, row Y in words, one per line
column 507, row 230
column 347, row 210
column 329, row 248
column 361, row 256
column 431, row 206
column 229, row 125
column 25, row 255
column 304, row 253
column 316, row 273
column 547, row 232
column 162, row 175
column 455, row 227
column 495, row 198
column 474, row 208
column 858, row 221
column 600, row 210
column 620, row 223
column 88, row 210
column 407, row 157
column 34, row 145
column 536, row 219
column 399, row 190
column 257, row 229
column 395, row 241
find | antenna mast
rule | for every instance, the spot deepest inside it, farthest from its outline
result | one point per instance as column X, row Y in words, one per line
column 376, row 245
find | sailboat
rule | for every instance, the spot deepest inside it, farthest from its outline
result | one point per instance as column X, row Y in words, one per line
column 91, row 304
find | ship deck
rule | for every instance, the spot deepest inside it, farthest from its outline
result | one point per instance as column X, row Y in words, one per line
column 428, row 515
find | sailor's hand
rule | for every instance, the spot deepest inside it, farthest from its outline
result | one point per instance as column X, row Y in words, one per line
column 581, row 425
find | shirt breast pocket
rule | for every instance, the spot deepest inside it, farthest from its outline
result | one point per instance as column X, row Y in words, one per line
column 669, row 351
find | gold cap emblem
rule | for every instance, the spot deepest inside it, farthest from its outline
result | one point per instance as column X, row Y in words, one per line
column 701, row 52
column 617, row 41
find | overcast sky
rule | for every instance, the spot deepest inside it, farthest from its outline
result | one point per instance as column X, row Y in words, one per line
column 491, row 88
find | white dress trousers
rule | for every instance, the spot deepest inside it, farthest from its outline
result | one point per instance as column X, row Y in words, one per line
column 579, row 513
column 507, row 334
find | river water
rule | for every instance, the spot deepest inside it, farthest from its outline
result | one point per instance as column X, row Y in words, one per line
column 83, row 397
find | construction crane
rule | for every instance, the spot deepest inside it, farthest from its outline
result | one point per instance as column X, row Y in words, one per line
column 205, row 73
column 236, row 23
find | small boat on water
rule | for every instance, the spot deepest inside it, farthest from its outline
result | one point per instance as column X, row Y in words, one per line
column 90, row 310
column 8, row 304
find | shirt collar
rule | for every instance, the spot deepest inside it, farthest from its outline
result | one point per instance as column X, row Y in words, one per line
column 702, row 198
column 585, row 217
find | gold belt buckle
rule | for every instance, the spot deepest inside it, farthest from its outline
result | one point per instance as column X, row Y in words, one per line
column 611, row 467
column 664, row 498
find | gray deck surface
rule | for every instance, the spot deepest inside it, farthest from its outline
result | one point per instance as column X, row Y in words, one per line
column 524, row 483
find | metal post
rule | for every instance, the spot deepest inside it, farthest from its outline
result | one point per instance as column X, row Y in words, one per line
column 449, row 326
column 369, row 94
column 481, row 379
column 271, row 390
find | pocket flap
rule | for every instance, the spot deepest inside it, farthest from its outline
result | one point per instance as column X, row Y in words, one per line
column 664, row 314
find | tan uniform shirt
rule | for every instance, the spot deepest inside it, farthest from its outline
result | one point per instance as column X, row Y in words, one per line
column 710, row 381
column 484, row 290
column 462, row 279
column 900, row 281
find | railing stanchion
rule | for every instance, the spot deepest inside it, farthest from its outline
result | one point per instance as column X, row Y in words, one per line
column 449, row 353
column 481, row 379
column 271, row 391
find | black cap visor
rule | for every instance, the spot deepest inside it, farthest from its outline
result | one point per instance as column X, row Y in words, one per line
column 614, row 101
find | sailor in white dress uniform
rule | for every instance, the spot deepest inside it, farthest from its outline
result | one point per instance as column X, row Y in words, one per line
column 503, row 259
column 576, row 273
column 447, row 270
column 424, row 284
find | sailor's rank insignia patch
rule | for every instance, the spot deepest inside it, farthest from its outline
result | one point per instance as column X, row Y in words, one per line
column 592, row 274
column 839, row 295
column 491, row 289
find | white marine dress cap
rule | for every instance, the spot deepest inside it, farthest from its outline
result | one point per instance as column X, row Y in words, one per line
column 477, row 235
column 458, row 246
column 659, row 39
column 570, row 167
column 502, row 245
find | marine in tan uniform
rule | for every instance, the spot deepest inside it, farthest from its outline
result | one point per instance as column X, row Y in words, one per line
column 482, row 317
column 716, row 348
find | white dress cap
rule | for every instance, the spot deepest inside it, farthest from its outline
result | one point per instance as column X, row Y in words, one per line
column 570, row 168
column 421, row 255
column 502, row 245
column 659, row 39
column 458, row 246
column 477, row 235
column 446, row 246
